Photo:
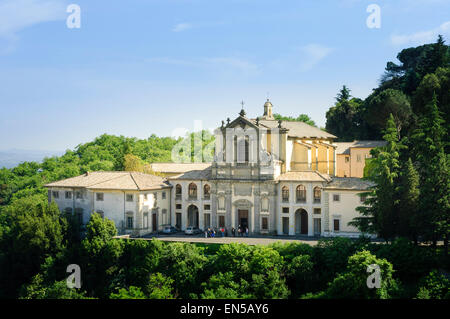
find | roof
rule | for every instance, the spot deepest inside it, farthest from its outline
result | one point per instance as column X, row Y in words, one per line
column 204, row 174
column 305, row 176
column 176, row 168
column 344, row 147
column 349, row 183
column 114, row 181
column 298, row 129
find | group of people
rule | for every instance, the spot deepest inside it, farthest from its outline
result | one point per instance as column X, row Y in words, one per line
column 211, row 232
column 242, row 231
column 222, row 232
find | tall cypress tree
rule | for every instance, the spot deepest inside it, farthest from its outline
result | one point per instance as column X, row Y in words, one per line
column 429, row 141
column 408, row 219
column 380, row 213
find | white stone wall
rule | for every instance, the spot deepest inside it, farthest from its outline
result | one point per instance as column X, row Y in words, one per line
column 116, row 207
column 293, row 206
column 344, row 210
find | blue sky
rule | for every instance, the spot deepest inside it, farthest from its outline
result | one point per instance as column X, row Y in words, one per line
column 139, row 67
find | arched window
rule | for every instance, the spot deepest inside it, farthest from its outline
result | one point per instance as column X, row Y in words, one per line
column 178, row 191
column 206, row 191
column 300, row 193
column 192, row 190
column 317, row 194
column 285, row 194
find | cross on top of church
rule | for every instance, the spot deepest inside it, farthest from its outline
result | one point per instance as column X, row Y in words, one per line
column 242, row 112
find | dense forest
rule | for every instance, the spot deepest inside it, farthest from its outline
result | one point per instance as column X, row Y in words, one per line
column 409, row 208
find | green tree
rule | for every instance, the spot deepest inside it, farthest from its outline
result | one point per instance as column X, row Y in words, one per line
column 379, row 214
column 57, row 290
column 381, row 105
column 415, row 63
column 130, row 293
column 429, row 140
column 344, row 118
column 352, row 283
column 100, row 256
column 434, row 286
column 30, row 231
column 409, row 202
column 301, row 118
column 160, row 286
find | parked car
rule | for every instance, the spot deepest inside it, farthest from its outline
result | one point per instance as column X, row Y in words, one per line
column 168, row 229
column 191, row 230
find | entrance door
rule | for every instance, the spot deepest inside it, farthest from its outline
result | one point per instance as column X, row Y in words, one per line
column 304, row 222
column 178, row 220
column 285, row 225
column 154, row 225
column 243, row 218
column 192, row 216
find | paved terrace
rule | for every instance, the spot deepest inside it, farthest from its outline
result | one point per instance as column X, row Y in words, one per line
column 252, row 240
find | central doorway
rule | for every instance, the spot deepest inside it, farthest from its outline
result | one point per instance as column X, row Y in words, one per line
column 243, row 218
column 154, row 223
column 192, row 216
column 301, row 222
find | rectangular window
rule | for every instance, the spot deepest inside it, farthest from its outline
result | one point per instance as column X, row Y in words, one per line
column 207, row 207
column 286, row 210
column 99, row 196
column 221, row 221
column 336, row 223
column 55, row 194
column 358, row 158
column 347, row 159
column 68, row 195
column 163, row 195
column 336, row 198
column 129, row 222
column 317, row 211
column 129, row 197
column 79, row 195
column 264, row 223
column 178, row 206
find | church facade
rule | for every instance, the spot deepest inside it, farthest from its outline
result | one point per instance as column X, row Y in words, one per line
column 272, row 177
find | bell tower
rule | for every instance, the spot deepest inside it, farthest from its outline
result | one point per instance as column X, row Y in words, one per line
column 268, row 114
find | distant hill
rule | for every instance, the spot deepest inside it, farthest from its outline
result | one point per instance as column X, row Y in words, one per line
column 13, row 157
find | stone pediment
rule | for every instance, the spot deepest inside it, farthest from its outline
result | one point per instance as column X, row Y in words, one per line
column 242, row 203
column 241, row 122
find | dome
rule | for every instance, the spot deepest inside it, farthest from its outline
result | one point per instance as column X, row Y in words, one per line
column 268, row 103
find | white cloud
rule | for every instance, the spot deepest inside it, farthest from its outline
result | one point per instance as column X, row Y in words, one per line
column 312, row 54
column 181, row 27
column 16, row 15
column 235, row 63
column 422, row 37
column 217, row 63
